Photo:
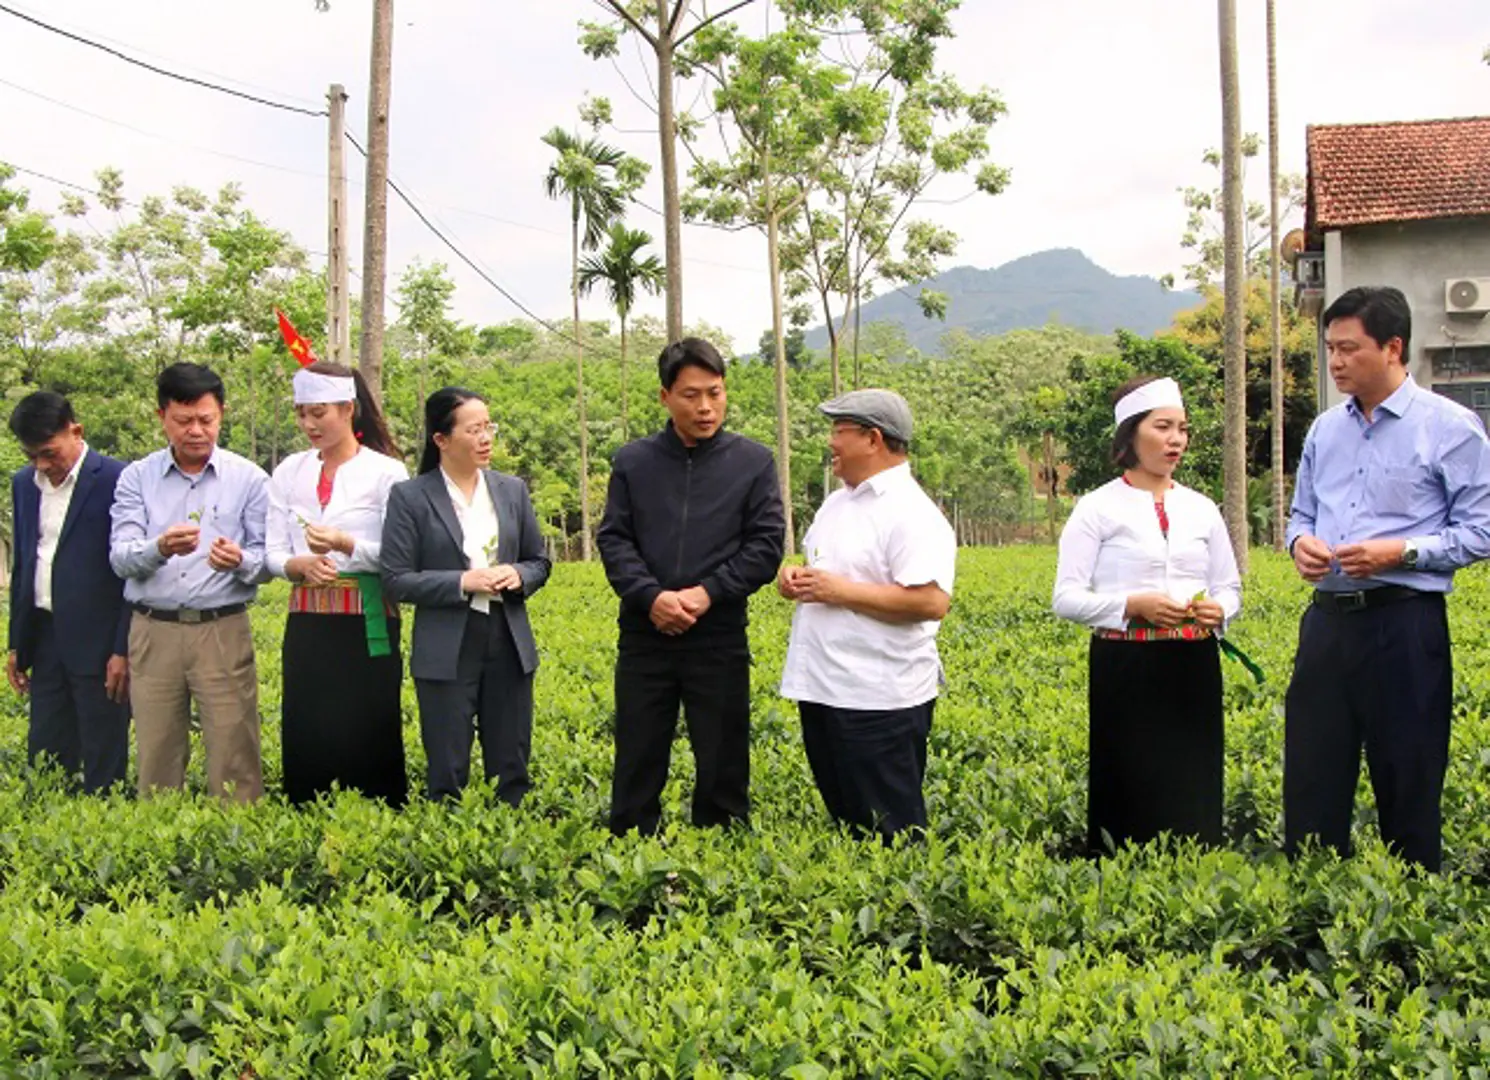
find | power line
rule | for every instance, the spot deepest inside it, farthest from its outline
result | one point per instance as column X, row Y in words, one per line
column 120, row 55
column 463, row 257
column 54, row 180
column 254, row 98
column 98, row 194
column 157, row 135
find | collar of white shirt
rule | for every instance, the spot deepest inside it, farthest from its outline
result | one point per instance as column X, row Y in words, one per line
column 459, row 496
column 883, row 481
column 45, row 485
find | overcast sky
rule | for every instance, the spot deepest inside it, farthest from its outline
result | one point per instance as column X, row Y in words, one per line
column 1111, row 104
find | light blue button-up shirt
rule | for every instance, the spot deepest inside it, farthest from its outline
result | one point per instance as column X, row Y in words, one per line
column 227, row 498
column 1418, row 470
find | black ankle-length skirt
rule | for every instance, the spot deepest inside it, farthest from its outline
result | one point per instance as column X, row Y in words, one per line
column 1156, row 741
column 340, row 714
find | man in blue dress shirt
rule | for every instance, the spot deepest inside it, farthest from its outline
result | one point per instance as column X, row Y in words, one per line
column 188, row 540
column 1392, row 496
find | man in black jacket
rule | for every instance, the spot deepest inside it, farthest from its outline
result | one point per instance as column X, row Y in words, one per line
column 693, row 525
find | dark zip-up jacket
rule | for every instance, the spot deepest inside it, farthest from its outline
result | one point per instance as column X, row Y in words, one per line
column 678, row 516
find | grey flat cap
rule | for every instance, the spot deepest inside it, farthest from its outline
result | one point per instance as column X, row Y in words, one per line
column 883, row 409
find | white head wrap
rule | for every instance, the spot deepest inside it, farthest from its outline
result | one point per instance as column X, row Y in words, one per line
column 1159, row 394
column 313, row 388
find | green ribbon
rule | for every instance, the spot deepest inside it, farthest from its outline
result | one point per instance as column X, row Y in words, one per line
column 374, row 618
column 1228, row 649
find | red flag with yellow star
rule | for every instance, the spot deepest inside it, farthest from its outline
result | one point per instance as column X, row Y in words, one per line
column 299, row 348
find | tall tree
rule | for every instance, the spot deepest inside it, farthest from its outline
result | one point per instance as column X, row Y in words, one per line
column 1275, row 305
column 424, row 294
column 597, row 180
column 665, row 28
column 1205, row 231
column 1234, row 439
column 855, row 230
column 622, row 269
column 791, row 112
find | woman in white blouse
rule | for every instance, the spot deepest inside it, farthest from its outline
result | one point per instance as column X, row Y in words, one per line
column 343, row 671
column 1146, row 563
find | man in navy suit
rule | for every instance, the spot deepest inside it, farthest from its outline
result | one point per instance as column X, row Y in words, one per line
column 69, row 628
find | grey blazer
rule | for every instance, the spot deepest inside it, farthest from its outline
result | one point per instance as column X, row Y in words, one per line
column 422, row 563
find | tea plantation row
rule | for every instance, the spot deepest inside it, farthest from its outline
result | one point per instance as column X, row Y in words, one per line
column 176, row 937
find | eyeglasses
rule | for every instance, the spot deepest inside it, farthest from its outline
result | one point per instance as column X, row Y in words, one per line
column 475, row 431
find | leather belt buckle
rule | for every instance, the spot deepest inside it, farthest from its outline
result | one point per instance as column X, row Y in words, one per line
column 189, row 616
column 1350, row 601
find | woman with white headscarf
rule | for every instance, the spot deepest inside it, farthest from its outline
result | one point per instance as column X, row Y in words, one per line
column 343, row 669
column 1147, row 564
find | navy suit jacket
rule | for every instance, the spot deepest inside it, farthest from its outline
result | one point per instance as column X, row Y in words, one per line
column 88, row 610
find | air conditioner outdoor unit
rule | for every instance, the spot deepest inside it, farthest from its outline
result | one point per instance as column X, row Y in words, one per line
column 1466, row 296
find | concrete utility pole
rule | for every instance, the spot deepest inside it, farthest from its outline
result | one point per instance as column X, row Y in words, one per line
column 338, row 301
column 375, row 226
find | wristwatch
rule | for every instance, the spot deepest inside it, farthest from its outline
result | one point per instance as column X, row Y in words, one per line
column 1409, row 555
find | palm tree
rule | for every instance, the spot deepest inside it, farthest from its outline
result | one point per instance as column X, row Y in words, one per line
column 619, row 268
column 589, row 174
column 1275, row 314
column 1233, row 344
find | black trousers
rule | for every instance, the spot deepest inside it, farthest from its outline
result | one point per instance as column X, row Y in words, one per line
column 1381, row 678
column 73, row 722
column 1157, row 741
column 490, row 686
column 712, row 685
column 869, row 764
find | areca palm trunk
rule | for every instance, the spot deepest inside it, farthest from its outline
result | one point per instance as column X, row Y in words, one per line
column 1275, row 313
column 579, row 383
column 1233, row 344
column 624, row 396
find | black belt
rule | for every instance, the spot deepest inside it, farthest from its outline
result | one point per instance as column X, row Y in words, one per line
column 1361, row 599
column 189, row 615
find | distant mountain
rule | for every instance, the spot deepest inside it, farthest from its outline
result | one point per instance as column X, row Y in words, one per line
column 1060, row 285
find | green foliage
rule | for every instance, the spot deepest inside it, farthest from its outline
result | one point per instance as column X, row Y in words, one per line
column 1201, row 329
column 1085, row 424
column 1204, row 232
column 912, row 126
column 186, row 277
column 177, row 937
column 797, row 353
column 622, row 270
column 595, row 178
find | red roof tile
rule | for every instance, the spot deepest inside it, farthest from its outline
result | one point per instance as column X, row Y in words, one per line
column 1363, row 174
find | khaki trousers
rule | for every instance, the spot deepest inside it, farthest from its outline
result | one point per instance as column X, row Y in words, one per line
column 169, row 665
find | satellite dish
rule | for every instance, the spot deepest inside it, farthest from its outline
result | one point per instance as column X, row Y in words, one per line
column 1292, row 245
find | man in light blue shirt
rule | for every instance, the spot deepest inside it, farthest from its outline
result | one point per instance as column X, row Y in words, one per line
column 1392, row 496
column 188, row 540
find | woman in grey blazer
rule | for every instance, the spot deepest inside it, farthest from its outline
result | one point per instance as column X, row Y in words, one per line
column 461, row 543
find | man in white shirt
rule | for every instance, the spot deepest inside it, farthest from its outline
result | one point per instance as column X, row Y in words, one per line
column 862, row 664
column 68, row 623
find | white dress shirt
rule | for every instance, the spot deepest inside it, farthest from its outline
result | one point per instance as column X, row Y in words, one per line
column 1112, row 548
column 54, row 504
column 359, row 497
column 883, row 531
column 478, row 528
